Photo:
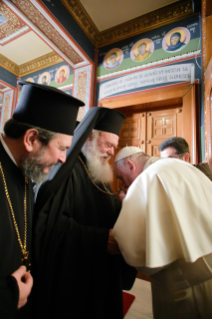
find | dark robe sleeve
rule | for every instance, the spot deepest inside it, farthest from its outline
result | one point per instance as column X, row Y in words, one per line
column 69, row 254
column 9, row 294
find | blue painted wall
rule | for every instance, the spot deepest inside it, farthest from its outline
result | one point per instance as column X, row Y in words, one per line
column 8, row 77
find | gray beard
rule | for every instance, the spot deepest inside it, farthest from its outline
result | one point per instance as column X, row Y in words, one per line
column 99, row 172
column 32, row 168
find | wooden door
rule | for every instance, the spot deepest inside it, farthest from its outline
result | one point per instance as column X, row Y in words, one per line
column 160, row 126
column 147, row 130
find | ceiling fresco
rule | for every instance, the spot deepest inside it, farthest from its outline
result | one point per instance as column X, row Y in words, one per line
column 11, row 26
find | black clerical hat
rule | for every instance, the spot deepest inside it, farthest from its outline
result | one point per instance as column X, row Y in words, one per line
column 95, row 118
column 47, row 107
column 111, row 121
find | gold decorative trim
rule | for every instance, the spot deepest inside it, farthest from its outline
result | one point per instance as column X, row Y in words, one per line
column 32, row 66
column 171, row 13
column 39, row 63
column 9, row 65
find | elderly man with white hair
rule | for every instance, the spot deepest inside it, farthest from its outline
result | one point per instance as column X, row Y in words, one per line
column 165, row 230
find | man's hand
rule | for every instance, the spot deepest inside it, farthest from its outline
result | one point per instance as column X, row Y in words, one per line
column 24, row 287
column 112, row 246
column 121, row 196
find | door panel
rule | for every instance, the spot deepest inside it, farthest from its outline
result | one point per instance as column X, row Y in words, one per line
column 147, row 130
column 160, row 126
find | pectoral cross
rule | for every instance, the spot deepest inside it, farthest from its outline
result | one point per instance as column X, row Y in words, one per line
column 24, row 262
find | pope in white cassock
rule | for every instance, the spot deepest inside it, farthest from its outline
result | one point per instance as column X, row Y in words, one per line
column 165, row 230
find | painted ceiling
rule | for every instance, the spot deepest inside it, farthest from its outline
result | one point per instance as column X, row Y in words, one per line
column 29, row 32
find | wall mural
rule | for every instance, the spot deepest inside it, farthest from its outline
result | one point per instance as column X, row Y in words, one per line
column 6, row 108
column 113, row 58
column 44, row 78
column 60, row 75
column 30, row 80
column 176, row 39
column 142, row 50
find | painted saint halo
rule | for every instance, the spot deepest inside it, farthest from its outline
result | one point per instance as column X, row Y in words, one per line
column 113, row 59
column 142, row 50
column 44, row 78
column 62, row 74
column 176, row 39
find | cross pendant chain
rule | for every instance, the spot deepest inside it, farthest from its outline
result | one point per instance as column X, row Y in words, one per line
column 25, row 258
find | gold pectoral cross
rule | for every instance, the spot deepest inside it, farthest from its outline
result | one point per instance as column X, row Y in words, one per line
column 24, row 262
column 25, row 257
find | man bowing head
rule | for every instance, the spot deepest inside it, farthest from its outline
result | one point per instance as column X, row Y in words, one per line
column 35, row 139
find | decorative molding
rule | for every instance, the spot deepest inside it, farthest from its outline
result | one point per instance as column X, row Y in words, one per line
column 149, row 21
column 12, row 27
column 8, row 65
column 82, row 85
column 50, row 31
column 39, row 63
column 32, row 66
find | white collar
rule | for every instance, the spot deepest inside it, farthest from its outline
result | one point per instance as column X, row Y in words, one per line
column 7, row 149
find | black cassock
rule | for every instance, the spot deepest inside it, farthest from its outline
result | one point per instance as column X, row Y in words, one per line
column 74, row 275
column 10, row 251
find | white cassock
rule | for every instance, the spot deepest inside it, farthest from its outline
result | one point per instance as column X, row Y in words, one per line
column 164, row 228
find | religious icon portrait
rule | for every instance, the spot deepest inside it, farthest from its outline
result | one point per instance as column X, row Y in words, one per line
column 176, row 39
column 142, row 50
column 62, row 74
column 44, row 78
column 31, row 80
column 113, row 59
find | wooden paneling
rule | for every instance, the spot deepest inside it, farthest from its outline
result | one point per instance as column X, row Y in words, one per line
column 149, row 102
column 208, row 43
column 160, row 126
column 189, row 122
column 148, row 99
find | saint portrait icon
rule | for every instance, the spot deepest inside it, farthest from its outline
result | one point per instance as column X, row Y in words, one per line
column 62, row 74
column 44, row 78
column 113, row 59
column 176, row 39
column 31, row 80
column 142, row 50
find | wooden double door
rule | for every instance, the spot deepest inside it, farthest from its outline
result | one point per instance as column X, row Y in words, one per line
column 147, row 130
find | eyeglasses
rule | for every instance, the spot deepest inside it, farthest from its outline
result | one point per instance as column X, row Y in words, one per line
column 177, row 156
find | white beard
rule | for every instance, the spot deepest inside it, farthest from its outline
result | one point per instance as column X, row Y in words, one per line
column 99, row 171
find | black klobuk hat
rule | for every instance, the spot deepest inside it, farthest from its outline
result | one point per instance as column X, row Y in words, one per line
column 47, row 107
column 110, row 121
column 100, row 118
